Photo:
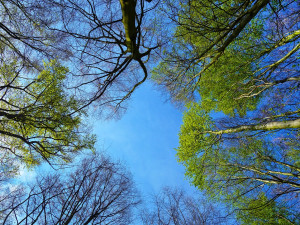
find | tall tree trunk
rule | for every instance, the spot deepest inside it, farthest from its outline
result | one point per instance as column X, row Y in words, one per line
column 266, row 126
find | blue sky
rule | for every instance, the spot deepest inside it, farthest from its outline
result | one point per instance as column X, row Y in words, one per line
column 144, row 139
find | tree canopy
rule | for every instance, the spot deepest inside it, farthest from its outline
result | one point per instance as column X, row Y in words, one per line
column 175, row 206
column 96, row 191
column 235, row 64
column 37, row 119
column 94, row 39
column 59, row 57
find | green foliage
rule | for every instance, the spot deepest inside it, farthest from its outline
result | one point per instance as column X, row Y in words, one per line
column 38, row 118
column 264, row 211
column 197, row 64
column 245, row 172
column 221, row 86
column 248, row 173
column 238, row 58
column 192, row 137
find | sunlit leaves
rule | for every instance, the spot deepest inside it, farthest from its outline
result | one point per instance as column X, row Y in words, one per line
column 38, row 117
column 210, row 51
column 238, row 169
column 192, row 135
column 262, row 211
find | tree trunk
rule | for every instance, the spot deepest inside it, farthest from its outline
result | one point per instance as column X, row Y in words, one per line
column 266, row 126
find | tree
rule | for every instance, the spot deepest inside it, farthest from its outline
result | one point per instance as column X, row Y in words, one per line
column 270, row 213
column 37, row 119
column 174, row 206
column 8, row 167
column 24, row 36
column 242, row 46
column 39, row 114
column 240, row 59
column 128, row 20
column 88, row 36
column 98, row 191
column 249, row 170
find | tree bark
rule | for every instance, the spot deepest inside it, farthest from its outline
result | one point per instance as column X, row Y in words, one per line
column 128, row 20
column 266, row 126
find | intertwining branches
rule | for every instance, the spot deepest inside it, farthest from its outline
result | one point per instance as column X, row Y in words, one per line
column 37, row 120
column 241, row 45
column 174, row 206
column 254, row 167
column 42, row 104
column 107, row 43
column 98, row 191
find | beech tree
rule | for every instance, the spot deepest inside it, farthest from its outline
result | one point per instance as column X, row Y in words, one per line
column 37, row 119
column 236, row 66
column 252, row 169
column 245, row 47
column 98, row 191
column 104, row 43
column 42, row 104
